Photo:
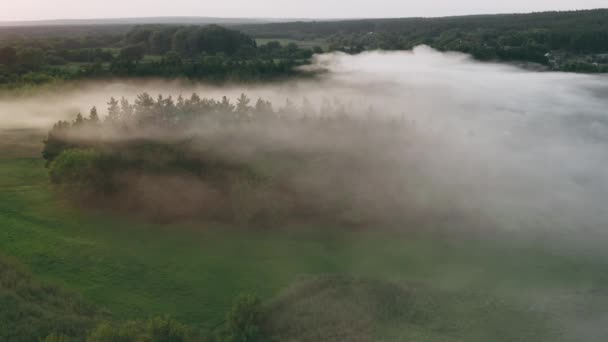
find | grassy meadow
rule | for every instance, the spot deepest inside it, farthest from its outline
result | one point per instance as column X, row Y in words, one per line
column 318, row 282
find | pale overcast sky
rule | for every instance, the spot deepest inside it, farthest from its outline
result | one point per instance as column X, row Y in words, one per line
column 77, row 9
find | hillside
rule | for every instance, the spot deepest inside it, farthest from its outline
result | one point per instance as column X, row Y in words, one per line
column 31, row 309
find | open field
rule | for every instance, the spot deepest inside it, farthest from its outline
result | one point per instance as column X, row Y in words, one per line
column 440, row 288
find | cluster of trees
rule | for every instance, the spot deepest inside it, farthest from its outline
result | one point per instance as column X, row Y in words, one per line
column 217, row 53
column 243, row 323
column 513, row 37
column 199, row 52
column 208, row 68
column 193, row 41
column 189, row 41
column 168, row 114
column 194, row 139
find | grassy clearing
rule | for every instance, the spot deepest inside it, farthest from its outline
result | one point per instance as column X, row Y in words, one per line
column 18, row 143
column 463, row 288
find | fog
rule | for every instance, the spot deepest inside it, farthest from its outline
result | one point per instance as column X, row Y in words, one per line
column 513, row 148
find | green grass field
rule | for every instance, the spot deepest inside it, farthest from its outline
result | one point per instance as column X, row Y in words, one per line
column 449, row 288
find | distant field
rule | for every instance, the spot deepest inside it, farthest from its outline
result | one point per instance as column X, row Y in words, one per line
column 439, row 289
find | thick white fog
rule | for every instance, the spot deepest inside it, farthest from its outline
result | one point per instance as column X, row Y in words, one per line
column 520, row 148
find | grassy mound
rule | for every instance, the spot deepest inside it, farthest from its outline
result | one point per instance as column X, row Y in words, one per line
column 31, row 310
column 341, row 308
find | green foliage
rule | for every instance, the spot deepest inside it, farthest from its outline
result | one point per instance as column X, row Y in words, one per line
column 189, row 41
column 31, row 311
column 31, row 58
column 504, row 37
column 133, row 53
column 158, row 329
column 184, row 51
column 79, row 168
column 8, row 56
column 57, row 338
column 249, row 191
column 36, row 78
column 147, row 50
column 243, row 321
column 55, row 142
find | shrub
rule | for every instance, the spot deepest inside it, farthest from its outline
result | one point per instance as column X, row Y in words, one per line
column 79, row 168
column 159, row 329
column 243, row 321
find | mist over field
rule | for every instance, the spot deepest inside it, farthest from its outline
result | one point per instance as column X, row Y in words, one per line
column 508, row 147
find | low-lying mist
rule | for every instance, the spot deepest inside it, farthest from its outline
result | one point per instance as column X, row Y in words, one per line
column 508, row 147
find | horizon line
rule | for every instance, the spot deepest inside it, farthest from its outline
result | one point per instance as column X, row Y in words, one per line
column 24, row 22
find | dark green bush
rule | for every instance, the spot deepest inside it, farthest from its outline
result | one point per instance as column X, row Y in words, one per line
column 76, row 166
column 243, row 322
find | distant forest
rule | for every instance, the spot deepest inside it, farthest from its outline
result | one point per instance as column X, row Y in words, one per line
column 567, row 41
column 212, row 53
column 564, row 41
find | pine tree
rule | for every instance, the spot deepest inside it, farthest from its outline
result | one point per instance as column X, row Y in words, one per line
column 93, row 116
column 242, row 105
column 113, row 110
column 78, row 121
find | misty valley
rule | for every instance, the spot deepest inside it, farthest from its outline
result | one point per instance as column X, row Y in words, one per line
column 423, row 179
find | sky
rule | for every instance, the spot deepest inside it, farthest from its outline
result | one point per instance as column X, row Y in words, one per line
column 79, row 9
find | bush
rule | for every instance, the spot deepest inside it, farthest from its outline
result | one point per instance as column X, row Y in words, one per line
column 243, row 321
column 36, row 78
column 159, row 329
column 77, row 167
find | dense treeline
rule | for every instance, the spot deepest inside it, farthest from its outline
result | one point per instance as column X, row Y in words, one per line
column 211, row 53
column 568, row 41
column 513, row 37
column 189, row 41
column 220, row 160
column 175, row 115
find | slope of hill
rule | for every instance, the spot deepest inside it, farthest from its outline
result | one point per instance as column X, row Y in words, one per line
column 31, row 309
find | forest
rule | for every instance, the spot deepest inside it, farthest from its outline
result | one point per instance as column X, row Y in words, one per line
column 210, row 53
column 564, row 41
